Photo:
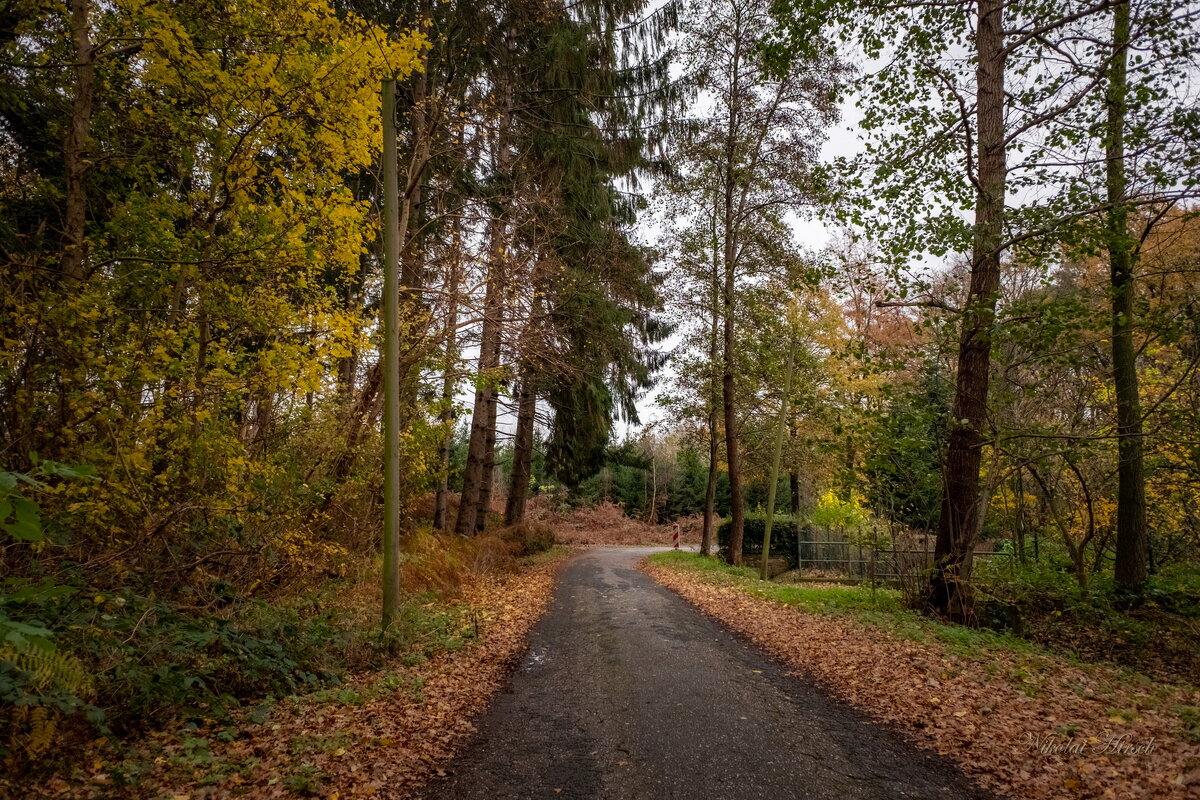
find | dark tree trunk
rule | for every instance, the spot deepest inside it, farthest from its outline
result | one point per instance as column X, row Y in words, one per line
column 488, row 472
column 472, row 510
column 485, row 391
column 959, row 521
column 737, row 513
column 75, row 146
column 1020, row 534
column 710, row 488
column 518, row 488
column 794, row 493
column 441, row 503
column 1131, row 555
column 347, row 370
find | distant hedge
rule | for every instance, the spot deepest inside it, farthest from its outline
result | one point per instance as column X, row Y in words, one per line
column 785, row 532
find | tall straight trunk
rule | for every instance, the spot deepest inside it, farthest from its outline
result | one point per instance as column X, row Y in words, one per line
column 487, row 473
column 483, row 412
column 485, row 390
column 959, row 521
column 780, row 427
column 1020, row 496
column 347, row 366
column 75, row 146
column 518, row 487
column 1131, row 555
column 652, row 516
column 737, row 513
column 449, row 365
column 412, row 239
column 794, row 494
column 710, row 488
column 391, row 359
column 413, row 252
column 352, row 299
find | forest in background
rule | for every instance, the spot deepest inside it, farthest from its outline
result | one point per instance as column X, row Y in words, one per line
column 1000, row 344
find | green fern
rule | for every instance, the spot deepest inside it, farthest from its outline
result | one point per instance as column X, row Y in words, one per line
column 50, row 670
column 31, row 728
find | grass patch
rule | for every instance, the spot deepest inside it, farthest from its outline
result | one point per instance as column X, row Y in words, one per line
column 881, row 608
column 818, row 599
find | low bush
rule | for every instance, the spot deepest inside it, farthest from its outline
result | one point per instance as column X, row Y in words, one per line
column 785, row 533
column 1043, row 601
column 530, row 538
column 74, row 661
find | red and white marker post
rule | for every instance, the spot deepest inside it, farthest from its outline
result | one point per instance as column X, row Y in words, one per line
column 675, row 535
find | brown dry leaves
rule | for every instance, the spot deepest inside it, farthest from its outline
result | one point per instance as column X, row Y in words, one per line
column 400, row 741
column 386, row 746
column 988, row 711
column 606, row 524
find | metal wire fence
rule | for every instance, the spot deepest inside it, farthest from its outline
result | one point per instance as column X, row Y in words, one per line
column 843, row 559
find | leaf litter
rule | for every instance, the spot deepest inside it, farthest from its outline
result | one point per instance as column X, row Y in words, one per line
column 1024, row 724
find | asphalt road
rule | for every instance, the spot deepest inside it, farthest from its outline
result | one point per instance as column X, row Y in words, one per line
column 629, row 692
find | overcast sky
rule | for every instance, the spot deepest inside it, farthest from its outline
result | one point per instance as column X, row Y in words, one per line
column 813, row 233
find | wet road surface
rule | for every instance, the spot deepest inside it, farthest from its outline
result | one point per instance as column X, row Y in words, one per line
column 629, row 692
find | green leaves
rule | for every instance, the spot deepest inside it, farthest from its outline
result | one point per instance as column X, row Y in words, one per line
column 21, row 516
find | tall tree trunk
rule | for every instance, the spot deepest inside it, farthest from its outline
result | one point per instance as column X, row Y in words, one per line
column 485, row 391
column 441, row 504
column 773, row 484
column 1020, row 497
column 1131, row 555
column 948, row 591
column 392, row 237
column 710, row 488
column 652, row 516
column 794, row 494
column 347, row 366
column 487, row 474
column 75, row 146
column 483, row 413
column 736, row 511
column 412, row 238
column 518, row 488
column 737, row 523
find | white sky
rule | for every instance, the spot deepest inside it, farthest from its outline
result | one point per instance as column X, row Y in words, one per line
column 812, row 232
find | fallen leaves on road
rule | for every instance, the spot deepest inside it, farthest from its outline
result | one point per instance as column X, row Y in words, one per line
column 1025, row 724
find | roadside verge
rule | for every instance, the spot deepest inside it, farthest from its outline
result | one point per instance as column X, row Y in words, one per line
column 1023, row 722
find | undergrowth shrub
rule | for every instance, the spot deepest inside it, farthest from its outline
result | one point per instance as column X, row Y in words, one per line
column 125, row 662
column 433, row 562
column 785, row 532
column 530, row 538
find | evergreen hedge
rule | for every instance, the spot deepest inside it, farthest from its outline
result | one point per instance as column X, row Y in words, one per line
column 785, row 532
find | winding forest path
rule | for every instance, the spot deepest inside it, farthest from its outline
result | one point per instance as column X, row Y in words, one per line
column 629, row 692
